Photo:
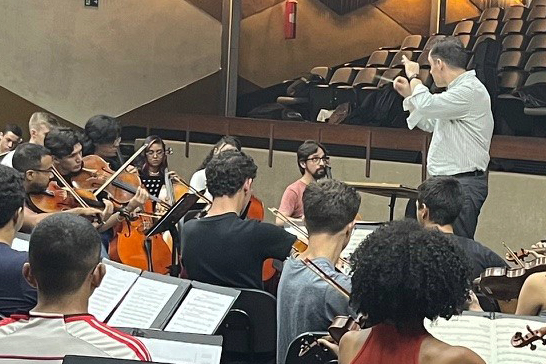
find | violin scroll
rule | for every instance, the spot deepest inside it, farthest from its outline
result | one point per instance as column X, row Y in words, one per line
column 519, row 340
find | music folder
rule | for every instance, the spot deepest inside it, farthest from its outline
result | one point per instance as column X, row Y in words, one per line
column 203, row 309
column 179, row 348
column 150, row 302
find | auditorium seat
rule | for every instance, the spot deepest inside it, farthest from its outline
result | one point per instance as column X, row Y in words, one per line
column 510, row 80
column 536, row 62
column 426, row 77
column 389, row 75
column 512, row 27
column 481, row 38
column 324, row 72
column 510, row 60
column 380, row 58
column 537, row 12
column 514, row 12
column 433, row 40
column 537, row 43
column 397, row 60
column 537, row 77
column 423, row 59
column 538, row 3
column 513, row 42
column 490, row 14
column 487, row 27
column 327, row 96
column 411, row 42
column 365, row 78
column 537, row 26
column 466, row 40
column 464, row 27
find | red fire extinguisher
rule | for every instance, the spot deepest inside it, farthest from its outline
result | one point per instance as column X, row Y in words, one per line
column 290, row 19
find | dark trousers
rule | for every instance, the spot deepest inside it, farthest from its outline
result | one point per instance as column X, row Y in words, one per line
column 475, row 190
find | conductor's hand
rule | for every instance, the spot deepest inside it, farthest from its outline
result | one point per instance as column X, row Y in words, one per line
column 412, row 68
column 402, row 86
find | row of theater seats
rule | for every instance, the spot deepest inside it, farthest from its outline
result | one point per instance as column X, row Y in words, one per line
column 522, row 62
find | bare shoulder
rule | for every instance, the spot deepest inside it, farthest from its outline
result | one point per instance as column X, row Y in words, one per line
column 438, row 352
column 350, row 345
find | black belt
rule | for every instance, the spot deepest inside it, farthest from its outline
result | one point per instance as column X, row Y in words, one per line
column 469, row 174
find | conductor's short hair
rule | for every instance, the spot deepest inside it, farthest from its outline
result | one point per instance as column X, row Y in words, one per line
column 451, row 51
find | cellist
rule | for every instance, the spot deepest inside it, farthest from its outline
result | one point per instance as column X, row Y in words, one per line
column 330, row 209
column 152, row 164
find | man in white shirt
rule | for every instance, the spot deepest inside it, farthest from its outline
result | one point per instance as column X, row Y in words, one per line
column 65, row 268
column 39, row 125
column 461, row 122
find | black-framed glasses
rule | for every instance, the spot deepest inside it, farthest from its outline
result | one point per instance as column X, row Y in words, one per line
column 316, row 160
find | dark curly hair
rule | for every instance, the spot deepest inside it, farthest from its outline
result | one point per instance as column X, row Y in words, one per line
column 226, row 139
column 61, row 141
column 329, row 205
column 12, row 193
column 227, row 172
column 404, row 273
column 100, row 129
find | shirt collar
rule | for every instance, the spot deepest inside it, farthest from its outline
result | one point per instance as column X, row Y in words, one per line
column 461, row 78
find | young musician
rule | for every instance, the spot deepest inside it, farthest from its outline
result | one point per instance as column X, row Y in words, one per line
column 15, row 293
column 402, row 275
column 532, row 297
column 199, row 180
column 102, row 135
column 35, row 163
column 39, row 125
column 221, row 248
column 153, row 164
column 10, row 137
column 306, row 302
column 440, row 200
column 460, row 120
column 65, row 268
column 313, row 162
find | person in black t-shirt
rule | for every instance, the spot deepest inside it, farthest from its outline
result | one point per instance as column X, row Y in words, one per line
column 15, row 293
column 221, row 248
column 439, row 202
column 102, row 136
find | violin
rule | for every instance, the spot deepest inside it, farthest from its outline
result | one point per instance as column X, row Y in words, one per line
column 57, row 198
column 519, row 340
column 522, row 254
column 341, row 324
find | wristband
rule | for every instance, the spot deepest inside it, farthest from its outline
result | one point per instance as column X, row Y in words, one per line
column 413, row 77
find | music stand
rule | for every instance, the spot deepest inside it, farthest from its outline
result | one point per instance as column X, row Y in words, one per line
column 391, row 190
column 169, row 222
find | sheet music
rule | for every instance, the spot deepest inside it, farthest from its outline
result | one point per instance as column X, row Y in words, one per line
column 472, row 332
column 113, row 287
column 142, row 304
column 20, row 242
column 292, row 230
column 201, row 312
column 178, row 352
column 359, row 234
column 506, row 353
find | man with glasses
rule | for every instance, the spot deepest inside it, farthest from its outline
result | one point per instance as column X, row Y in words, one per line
column 313, row 162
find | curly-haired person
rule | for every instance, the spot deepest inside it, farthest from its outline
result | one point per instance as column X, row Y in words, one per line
column 403, row 274
column 221, row 248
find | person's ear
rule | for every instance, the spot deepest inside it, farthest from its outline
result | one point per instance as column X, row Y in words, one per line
column 350, row 228
column 33, row 132
column 97, row 275
column 247, row 186
column 423, row 210
column 302, row 164
column 27, row 273
column 18, row 218
column 29, row 175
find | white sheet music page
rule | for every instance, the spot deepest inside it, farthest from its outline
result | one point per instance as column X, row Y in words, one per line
column 473, row 332
column 359, row 234
column 113, row 287
column 506, row 353
column 177, row 352
column 142, row 304
column 201, row 312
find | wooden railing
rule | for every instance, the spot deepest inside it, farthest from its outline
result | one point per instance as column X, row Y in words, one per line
column 508, row 147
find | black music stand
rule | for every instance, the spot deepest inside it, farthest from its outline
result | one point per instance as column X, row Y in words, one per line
column 390, row 190
column 169, row 222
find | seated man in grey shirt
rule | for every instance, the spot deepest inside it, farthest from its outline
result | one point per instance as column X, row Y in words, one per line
column 306, row 302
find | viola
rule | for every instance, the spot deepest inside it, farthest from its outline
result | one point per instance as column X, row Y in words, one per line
column 519, row 340
column 57, row 198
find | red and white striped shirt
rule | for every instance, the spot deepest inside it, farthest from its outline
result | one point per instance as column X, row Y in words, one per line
column 47, row 338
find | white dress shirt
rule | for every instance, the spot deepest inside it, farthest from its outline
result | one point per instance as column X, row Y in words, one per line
column 461, row 122
column 8, row 159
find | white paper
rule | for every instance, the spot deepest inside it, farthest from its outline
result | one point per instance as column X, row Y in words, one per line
column 113, row 287
column 201, row 312
column 292, row 230
column 359, row 234
column 20, row 244
column 142, row 304
column 469, row 331
column 506, row 353
column 177, row 352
